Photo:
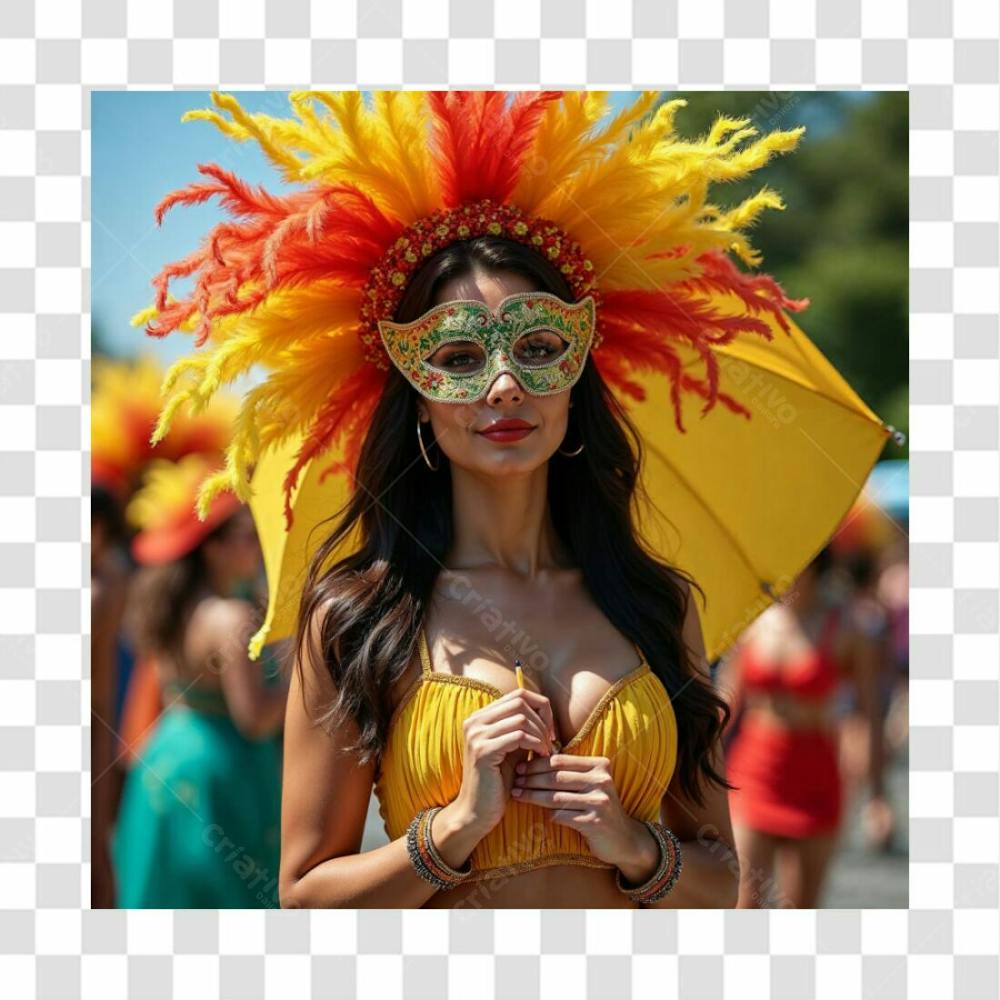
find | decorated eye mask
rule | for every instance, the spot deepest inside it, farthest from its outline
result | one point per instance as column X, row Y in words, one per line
column 456, row 350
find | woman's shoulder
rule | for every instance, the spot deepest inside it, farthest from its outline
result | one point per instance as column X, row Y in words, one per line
column 219, row 615
column 220, row 626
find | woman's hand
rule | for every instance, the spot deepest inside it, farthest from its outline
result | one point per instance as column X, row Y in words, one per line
column 496, row 737
column 582, row 795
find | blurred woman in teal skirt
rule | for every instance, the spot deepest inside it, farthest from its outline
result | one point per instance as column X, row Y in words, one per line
column 199, row 821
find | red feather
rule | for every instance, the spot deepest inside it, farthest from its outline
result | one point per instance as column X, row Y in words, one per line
column 346, row 416
column 238, row 197
column 325, row 233
column 193, row 194
column 242, row 199
column 524, row 118
column 480, row 141
column 758, row 292
column 642, row 331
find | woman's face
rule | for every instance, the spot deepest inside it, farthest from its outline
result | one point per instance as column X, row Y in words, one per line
column 462, row 430
column 237, row 550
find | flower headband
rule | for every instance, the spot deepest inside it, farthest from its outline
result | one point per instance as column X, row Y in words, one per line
column 123, row 415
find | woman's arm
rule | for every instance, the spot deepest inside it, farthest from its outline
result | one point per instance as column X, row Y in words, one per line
column 729, row 685
column 867, row 664
column 256, row 709
column 728, row 679
column 711, row 872
column 325, row 797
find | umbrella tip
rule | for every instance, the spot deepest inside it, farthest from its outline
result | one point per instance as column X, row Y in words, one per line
column 898, row 437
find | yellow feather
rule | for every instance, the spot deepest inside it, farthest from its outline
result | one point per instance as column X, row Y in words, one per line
column 225, row 126
column 257, row 642
column 563, row 141
column 647, row 196
column 210, row 488
column 144, row 316
column 258, row 126
column 402, row 126
column 383, row 150
column 746, row 213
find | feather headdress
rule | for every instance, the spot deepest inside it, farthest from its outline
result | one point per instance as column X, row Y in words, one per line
column 123, row 416
column 162, row 509
column 293, row 282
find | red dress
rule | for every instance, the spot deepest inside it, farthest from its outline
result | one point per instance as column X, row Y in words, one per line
column 788, row 780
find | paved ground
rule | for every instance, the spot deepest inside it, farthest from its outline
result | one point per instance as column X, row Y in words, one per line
column 865, row 880
column 858, row 878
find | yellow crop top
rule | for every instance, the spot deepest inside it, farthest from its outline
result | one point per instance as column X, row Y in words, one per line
column 633, row 725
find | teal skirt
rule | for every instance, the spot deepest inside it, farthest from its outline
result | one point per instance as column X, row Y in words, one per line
column 199, row 821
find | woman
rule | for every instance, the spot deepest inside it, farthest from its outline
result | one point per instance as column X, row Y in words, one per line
column 893, row 591
column 782, row 679
column 864, row 754
column 499, row 518
column 485, row 637
column 199, row 818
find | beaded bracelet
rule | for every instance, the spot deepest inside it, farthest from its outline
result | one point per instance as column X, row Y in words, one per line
column 424, row 856
column 667, row 871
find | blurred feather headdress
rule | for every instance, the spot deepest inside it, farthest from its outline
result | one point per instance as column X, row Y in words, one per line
column 124, row 410
column 296, row 282
column 163, row 508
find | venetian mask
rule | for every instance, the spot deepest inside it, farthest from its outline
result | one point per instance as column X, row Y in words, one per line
column 456, row 350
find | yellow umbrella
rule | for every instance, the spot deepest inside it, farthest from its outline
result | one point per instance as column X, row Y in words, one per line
column 741, row 504
column 752, row 501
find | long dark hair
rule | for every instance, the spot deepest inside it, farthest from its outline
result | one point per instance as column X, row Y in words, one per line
column 162, row 599
column 367, row 609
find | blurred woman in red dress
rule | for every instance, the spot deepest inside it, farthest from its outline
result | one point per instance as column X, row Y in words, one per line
column 781, row 678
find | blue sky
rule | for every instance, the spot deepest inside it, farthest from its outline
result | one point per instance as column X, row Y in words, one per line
column 140, row 152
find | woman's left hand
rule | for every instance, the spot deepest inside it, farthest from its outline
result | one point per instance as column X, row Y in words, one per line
column 581, row 793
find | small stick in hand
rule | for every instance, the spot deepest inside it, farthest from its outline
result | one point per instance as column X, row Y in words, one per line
column 519, row 674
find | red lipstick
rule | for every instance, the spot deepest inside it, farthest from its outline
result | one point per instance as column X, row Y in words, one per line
column 507, row 429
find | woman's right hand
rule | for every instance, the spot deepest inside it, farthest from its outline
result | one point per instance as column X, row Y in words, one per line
column 497, row 737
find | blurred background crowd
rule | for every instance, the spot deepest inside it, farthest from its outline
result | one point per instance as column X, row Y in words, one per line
column 185, row 737
column 186, row 730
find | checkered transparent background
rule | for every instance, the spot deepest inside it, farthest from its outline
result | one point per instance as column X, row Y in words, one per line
column 53, row 52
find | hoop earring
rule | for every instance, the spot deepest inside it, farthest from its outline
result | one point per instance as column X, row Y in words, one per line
column 423, row 451
column 570, row 454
